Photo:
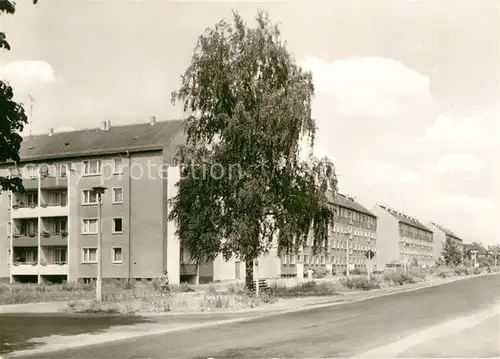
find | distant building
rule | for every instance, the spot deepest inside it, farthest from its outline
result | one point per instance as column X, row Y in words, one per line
column 441, row 234
column 353, row 223
column 402, row 239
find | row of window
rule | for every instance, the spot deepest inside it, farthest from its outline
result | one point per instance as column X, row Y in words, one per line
column 357, row 216
column 90, row 168
column 354, row 245
column 30, row 226
column 91, row 225
column 89, row 255
column 414, row 230
column 355, row 231
column 60, row 255
column 89, row 196
column 31, row 198
column 321, row 260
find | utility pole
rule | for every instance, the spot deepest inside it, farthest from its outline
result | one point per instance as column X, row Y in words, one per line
column 99, row 191
column 30, row 122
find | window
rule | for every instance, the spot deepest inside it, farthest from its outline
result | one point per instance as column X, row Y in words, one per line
column 59, row 198
column 117, row 254
column 89, row 196
column 118, row 195
column 117, row 225
column 30, row 171
column 32, row 198
column 62, row 169
column 13, row 172
column 292, row 259
column 118, row 165
column 92, row 167
column 89, row 255
column 284, row 259
column 60, row 255
column 59, row 225
column 306, row 259
column 29, row 227
column 89, row 226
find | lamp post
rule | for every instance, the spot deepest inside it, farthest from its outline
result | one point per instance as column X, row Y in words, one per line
column 99, row 191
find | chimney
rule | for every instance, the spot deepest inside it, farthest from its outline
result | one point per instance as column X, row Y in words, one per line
column 152, row 120
column 51, row 131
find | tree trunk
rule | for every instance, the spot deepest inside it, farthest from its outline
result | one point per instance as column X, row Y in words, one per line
column 249, row 274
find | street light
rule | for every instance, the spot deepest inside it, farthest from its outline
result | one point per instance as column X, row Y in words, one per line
column 99, row 191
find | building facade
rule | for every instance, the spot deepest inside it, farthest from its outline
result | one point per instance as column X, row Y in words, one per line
column 49, row 232
column 402, row 239
column 354, row 233
column 441, row 235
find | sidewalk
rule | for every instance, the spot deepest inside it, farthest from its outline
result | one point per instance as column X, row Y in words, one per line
column 279, row 306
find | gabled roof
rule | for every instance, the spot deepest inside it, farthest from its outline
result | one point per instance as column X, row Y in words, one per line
column 403, row 218
column 345, row 201
column 132, row 138
column 446, row 231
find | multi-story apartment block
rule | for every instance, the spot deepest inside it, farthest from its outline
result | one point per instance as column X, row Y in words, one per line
column 354, row 233
column 49, row 232
column 402, row 238
column 441, row 235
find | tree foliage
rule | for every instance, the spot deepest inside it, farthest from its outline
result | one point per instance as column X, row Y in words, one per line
column 243, row 182
column 451, row 252
column 12, row 116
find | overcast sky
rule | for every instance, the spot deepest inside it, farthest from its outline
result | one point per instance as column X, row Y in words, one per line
column 407, row 94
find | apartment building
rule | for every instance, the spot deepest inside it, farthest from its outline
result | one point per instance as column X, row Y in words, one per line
column 402, row 239
column 354, row 233
column 49, row 232
column 441, row 235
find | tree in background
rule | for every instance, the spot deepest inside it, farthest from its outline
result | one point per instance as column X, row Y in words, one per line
column 243, row 183
column 12, row 117
column 451, row 252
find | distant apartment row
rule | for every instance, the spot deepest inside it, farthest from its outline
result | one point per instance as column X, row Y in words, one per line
column 49, row 232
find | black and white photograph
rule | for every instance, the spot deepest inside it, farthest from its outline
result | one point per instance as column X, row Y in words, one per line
column 249, row 179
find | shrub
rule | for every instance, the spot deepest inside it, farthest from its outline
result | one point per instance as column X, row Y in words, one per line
column 184, row 288
column 360, row 283
column 305, row 289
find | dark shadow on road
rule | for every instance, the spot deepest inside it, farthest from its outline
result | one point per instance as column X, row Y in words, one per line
column 17, row 331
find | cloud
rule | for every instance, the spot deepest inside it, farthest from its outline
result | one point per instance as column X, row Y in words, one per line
column 25, row 75
column 369, row 86
column 460, row 133
column 386, row 172
column 456, row 162
column 463, row 203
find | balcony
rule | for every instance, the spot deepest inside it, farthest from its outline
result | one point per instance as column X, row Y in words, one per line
column 54, row 268
column 53, row 182
column 54, row 239
column 25, row 240
column 23, row 210
column 53, row 210
column 24, row 268
column 30, row 183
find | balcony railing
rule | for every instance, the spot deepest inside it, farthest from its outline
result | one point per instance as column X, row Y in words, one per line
column 25, row 263
column 54, row 204
column 24, row 205
column 61, row 263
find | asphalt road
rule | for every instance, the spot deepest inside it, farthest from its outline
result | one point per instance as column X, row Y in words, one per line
column 337, row 331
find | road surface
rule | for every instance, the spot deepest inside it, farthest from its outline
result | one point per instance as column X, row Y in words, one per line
column 458, row 319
